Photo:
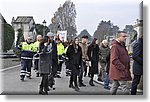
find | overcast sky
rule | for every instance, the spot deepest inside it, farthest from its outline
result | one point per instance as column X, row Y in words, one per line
column 89, row 12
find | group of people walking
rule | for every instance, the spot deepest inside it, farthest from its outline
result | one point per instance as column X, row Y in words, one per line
column 108, row 63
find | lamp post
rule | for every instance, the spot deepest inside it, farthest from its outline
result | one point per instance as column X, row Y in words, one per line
column 44, row 27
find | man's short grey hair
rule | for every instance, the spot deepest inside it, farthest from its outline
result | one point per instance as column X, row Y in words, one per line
column 50, row 34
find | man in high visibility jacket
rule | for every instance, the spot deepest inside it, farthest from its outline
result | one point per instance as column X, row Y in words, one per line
column 26, row 58
column 35, row 50
column 60, row 52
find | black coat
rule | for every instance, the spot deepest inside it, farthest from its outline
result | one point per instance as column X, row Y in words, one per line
column 93, row 55
column 54, row 53
column 54, row 57
column 75, row 59
column 138, row 58
column 108, row 62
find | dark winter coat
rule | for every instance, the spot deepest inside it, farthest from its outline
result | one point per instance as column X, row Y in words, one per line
column 108, row 62
column 138, row 57
column 54, row 57
column 45, row 62
column 75, row 59
column 93, row 55
column 119, row 62
column 54, row 53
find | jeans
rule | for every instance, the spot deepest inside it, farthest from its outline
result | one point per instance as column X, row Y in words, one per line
column 106, row 80
column 36, row 61
column 81, row 72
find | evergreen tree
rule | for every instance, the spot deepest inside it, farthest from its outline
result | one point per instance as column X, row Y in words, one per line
column 7, row 37
column 105, row 29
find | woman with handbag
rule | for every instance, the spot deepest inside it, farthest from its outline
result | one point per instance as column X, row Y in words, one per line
column 45, row 65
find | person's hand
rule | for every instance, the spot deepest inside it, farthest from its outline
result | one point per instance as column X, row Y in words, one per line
column 45, row 44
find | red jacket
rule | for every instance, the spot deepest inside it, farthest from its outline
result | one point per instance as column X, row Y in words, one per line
column 119, row 63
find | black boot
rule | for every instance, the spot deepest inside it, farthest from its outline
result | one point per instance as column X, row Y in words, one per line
column 91, row 82
column 71, row 85
column 85, row 74
column 76, row 88
column 41, row 91
column 81, row 84
column 46, row 91
column 89, row 75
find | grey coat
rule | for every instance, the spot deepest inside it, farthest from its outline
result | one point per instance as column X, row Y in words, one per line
column 103, row 53
column 45, row 62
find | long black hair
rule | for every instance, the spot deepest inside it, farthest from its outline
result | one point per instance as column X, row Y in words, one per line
column 93, row 44
column 74, row 44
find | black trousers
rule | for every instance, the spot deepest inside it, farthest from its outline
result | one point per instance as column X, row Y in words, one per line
column 36, row 61
column 44, row 82
column 135, row 83
column 54, row 68
column 74, row 74
column 59, row 66
column 73, row 79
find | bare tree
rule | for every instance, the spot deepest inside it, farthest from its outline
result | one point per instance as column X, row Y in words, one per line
column 64, row 19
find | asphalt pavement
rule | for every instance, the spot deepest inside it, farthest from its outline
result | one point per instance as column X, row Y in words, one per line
column 12, row 85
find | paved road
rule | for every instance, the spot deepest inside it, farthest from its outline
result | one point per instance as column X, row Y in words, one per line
column 13, row 85
column 9, row 62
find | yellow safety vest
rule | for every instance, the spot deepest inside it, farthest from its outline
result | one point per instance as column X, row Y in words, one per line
column 66, row 49
column 36, row 46
column 60, row 49
column 26, row 46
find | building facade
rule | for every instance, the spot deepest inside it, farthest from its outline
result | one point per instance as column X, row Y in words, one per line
column 26, row 24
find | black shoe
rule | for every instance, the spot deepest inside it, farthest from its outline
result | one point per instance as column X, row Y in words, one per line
column 41, row 91
column 58, row 76
column 37, row 75
column 45, row 93
column 22, row 77
column 99, row 79
column 91, row 82
column 84, row 74
column 89, row 75
column 71, row 86
column 81, row 84
column 107, row 87
column 76, row 88
column 48, row 89
column 29, row 77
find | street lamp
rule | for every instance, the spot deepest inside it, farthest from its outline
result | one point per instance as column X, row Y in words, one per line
column 44, row 27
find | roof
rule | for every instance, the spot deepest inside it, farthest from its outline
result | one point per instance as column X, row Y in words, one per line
column 23, row 19
column 2, row 18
